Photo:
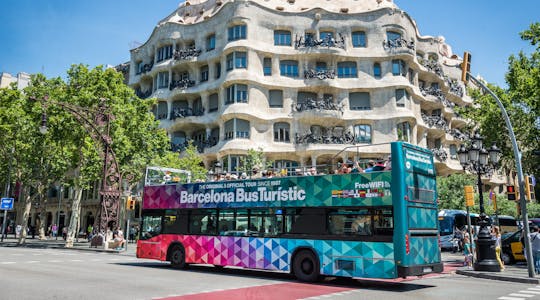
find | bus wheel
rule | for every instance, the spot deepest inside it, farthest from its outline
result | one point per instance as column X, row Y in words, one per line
column 306, row 266
column 178, row 257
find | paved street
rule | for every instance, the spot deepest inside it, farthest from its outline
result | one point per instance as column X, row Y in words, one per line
column 42, row 273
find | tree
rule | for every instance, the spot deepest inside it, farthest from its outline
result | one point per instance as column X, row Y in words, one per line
column 254, row 160
column 188, row 160
column 451, row 190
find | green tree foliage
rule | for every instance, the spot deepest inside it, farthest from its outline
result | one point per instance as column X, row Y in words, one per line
column 450, row 190
column 188, row 160
column 254, row 160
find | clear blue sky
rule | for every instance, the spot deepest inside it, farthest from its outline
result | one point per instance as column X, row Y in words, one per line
column 49, row 36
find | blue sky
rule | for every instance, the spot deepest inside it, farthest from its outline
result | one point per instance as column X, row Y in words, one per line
column 49, row 36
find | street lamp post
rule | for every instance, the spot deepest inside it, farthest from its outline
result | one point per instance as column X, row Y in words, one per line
column 59, row 198
column 478, row 159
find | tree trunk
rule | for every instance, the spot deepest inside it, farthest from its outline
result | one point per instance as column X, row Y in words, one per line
column 27, row 209
column 42, row 213
column 75, row 215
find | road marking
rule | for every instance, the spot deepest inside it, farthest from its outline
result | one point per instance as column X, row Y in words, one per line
column 8, row 262
column 76, row 260
column 55, row 261
column 534, row 289
column 509, row 298
column 530, row 292
column 17, row 254
column 32, row 261
column 521, row 295
column 96, row 259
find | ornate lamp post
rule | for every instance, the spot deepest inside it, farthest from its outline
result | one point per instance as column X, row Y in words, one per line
column 97, row 123
column 479, row 160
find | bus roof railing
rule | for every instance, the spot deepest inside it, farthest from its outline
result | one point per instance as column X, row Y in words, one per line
column 357, row 148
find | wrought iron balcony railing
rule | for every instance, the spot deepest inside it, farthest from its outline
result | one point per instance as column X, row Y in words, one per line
column 145, row 68
column 327, row 41
column 326, row 138
column 436, row 121
column 143, row 95
column 455, row 88
column 201, row 145
column 320, row 74
column 181, row 84
column 181, row 112
column 458, row 135
column 317, row 104
column 188, row 53
column 433, row 66
column 399, row 43
column 437, row 93
column 440, row 154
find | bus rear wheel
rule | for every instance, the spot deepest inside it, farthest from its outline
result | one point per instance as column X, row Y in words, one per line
column 306, row 266
column 178, row 257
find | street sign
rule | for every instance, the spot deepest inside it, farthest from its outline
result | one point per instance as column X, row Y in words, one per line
column 7, row 204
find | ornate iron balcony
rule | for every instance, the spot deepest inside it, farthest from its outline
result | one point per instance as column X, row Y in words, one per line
column 433, row 66
column 327, row 41
column 321, row 74
column 181, row 112
column 436, row 121
column 437, row 93
column 143, row 95
column 458, row 135
column 181, row 84
column 455, row 88
column 145, row 68
column 317, row 104
column 328, row 137
column 188, row 53
column 395, row 44
column 440, row 154
column 201, row 145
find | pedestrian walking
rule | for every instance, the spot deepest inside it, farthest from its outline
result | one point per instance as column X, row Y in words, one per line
column 535, row 247
column 467, row 252
column 497, row 236
column 64, row 232
column 54, row 230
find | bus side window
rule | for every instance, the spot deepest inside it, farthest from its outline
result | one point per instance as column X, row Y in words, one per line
column 383, row 220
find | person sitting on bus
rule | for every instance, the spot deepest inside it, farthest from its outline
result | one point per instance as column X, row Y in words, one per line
column 370, row 164
column 361, row 226
column 356, row 168
column 388, row 163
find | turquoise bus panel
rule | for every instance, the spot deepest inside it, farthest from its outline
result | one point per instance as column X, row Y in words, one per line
column 424, row 250
column 422, row 218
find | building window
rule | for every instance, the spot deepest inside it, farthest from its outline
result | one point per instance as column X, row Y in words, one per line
column 401, row 97
column 286, row 167
column 211, row 42
column 163, row 80
column 237, row 32
column 139, row 67
column 218, row 70
column 162, row 110
column 204, row 73
column 320, row 66
column 436, row 112
column 304, row 97
column 267, row 66
column 281, row 132
column 392, row 36
column 275, row 98
column 362, row 133
column 289, row 68
column 359, row 101
column 213, row 102
column 164, row 53
column 236, row 60
column 435, row 85
column 404, row 132
column 347, row 69
column 377, row 70
column 237, row 93
column 398, row 68
column 282, row 38
column 236, row 128
column 359, row 39
column 453, row 151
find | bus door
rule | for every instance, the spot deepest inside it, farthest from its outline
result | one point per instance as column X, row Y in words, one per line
column 149, row 244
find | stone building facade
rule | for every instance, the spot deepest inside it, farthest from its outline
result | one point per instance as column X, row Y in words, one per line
column 302, row 80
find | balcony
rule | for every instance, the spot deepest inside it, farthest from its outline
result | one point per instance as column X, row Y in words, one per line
column 327, row 41
column 458, row 135
column 319, row 74
column 186, row 54
column 432, row 66
column 181, row 112
column 201, row 145
column 398, row 44
column 145, row 68
column 318, row 105
column 329, row 136
column 181, row 84
column 440, row 154
column 437, row 93
column 455, row 88
column 143, row 95
column 436, row 121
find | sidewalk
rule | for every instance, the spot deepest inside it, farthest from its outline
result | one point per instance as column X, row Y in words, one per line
column 82, row 245
column 513, row 273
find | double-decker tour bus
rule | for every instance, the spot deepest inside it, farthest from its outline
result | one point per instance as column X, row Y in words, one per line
column 372, row 225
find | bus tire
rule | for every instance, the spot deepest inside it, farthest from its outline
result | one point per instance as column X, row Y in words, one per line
column 306, row 266
column 178, row 257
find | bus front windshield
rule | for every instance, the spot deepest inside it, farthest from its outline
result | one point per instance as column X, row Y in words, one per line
column 446, row 225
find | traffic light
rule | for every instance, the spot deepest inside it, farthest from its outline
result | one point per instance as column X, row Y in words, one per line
column 465, row 66
column 130, row 203
column 529, row 188
column 469, row 196
column 511, row 192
